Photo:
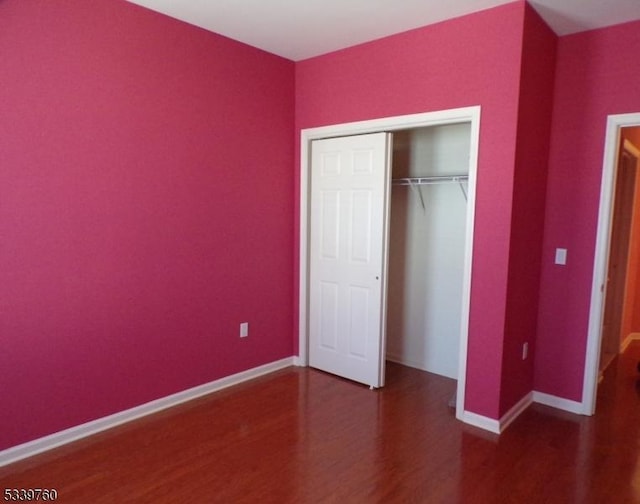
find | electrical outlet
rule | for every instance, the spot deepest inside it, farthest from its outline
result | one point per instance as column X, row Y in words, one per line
column 244, row 329
column 525, row 350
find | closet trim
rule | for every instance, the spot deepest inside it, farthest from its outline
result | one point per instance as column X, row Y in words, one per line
column 469, row 115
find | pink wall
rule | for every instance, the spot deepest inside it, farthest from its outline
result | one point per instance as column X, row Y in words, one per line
column 472, row 60
column 146, row 209
column 139, row 229
column 596, row 75
column 527, row 220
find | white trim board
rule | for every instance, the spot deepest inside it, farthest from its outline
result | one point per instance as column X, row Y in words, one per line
column 480, row 421
column 558, row 402
column 499, row 426
column 516, row 410
column 603, row 237
column 453, row 116
column 66, row 436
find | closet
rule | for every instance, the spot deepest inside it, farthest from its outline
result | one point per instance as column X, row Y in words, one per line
column 427, row 231
column 386, row 239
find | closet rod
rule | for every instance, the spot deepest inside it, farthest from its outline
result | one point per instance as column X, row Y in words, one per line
column 439, row 179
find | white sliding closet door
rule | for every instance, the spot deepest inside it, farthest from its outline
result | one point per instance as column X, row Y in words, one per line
column 348, row 258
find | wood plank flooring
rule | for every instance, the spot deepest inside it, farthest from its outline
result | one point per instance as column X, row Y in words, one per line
column 302, row 436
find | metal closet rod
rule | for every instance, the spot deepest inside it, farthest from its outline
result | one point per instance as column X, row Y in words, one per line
column 415, row 182
column 436, row 179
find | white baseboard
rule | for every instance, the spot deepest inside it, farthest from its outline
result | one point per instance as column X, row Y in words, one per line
column 66, row 436
column 558, row 403
column 398, row 359
column 515, row 411
column 482, row 422
column 416, row 365
column 627, row 341
column 498, row 426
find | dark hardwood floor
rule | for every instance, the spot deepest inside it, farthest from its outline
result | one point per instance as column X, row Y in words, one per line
column 301, row 436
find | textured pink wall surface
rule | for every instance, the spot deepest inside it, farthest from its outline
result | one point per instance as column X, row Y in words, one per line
column 527, row 223
column 472, row 60
column 146, row 199
column 596, row 75
column 146, row 209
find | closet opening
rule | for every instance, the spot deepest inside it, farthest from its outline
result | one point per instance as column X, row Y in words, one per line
column 427, row 232
column 422, row 256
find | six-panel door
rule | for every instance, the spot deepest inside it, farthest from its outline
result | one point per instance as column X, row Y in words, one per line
column 349, row 177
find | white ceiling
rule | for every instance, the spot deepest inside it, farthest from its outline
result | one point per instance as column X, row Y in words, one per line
column 300, row 29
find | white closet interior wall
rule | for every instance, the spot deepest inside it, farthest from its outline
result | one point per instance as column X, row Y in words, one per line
column 426, row 251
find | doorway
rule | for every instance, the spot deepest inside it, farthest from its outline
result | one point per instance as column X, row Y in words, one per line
column 610, row 278
column 618, row 295
column 470, row 116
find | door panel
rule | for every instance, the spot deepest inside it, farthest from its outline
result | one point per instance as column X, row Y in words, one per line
column 349, row 186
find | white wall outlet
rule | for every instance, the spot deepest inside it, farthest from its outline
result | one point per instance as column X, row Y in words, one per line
column 561, row 256
column 244, row 329
column 525, row 350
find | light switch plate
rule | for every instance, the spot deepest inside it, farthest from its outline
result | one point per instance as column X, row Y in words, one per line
column 561, row 256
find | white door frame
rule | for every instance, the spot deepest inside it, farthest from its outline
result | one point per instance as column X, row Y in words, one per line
column 600, row 263
column 453, row 116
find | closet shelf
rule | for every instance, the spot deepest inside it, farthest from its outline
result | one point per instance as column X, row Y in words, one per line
column 439, row 179
column 414, row 182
